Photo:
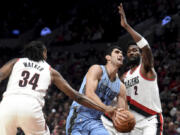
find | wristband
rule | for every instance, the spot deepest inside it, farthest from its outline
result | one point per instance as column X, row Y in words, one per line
column 142, row 43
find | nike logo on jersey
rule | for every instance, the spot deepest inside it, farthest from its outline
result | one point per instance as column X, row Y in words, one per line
column 150, row 119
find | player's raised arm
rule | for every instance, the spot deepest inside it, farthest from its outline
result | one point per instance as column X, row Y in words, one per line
column 147, row 58
column 63, row 85
column 6, row 69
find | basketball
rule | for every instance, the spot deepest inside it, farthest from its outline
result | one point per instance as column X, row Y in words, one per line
column 124, row 125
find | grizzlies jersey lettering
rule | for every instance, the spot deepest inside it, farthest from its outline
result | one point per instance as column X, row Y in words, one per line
column 106, row 91
column 142, row 94
column 34, row 76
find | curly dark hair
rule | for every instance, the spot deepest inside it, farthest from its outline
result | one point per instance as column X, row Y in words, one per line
column 34, row 51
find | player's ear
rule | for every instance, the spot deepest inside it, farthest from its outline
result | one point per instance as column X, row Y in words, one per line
column 108, row 57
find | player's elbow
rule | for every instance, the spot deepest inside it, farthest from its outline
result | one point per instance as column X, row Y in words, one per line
column 89, row 94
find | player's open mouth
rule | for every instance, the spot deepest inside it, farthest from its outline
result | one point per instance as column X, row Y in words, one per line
column 119, row 59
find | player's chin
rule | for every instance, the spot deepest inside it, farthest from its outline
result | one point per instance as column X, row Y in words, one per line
column 119, row 64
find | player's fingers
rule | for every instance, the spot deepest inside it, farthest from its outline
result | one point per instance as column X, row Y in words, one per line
column 120, row 109
column 119, row 120
column 121, row 5
column 120, row 10
column 121, row 115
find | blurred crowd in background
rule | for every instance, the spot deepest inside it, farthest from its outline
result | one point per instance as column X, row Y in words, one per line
column 93, row 22
column 80, row 21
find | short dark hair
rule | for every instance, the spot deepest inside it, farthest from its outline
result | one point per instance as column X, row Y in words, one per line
column 34, row 51
column 109, row 49
column 131, row 43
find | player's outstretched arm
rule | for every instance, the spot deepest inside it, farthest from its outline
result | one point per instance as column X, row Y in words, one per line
column 6, row 69
column 147, row 57
column 63, row 85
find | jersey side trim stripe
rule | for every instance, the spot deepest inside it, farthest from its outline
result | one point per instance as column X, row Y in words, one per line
column 72, row 120
column 137, row 107
column 160, row 124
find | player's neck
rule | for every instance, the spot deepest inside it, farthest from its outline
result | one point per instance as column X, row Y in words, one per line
column 111, row 71
column 133, row 68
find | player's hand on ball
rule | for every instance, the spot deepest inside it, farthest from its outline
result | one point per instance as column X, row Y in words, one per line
column 119, row 115
column 110, row 110
column 123, row 120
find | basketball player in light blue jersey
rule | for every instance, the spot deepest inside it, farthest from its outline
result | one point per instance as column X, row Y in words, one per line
column 102, row 85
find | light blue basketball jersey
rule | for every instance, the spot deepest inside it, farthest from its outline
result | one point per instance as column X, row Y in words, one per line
column 106, row 91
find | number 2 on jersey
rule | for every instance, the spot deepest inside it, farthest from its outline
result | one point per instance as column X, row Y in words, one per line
column 135, row 90
column 33, row 81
